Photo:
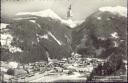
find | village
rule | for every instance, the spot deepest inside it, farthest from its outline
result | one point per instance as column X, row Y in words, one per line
column 73, row 66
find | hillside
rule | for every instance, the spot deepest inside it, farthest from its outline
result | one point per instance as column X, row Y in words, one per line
column 33, row 36
column 101, row 32
column 104, row 35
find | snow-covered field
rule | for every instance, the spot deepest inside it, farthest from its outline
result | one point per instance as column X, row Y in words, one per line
column 65, row 77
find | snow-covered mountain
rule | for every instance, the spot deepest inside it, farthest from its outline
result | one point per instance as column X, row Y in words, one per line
column 103, row 35
column 45, row 13
column 33, row 33
column 53, row 15
column 107, row 26
column 118, row 10
column 29, row 37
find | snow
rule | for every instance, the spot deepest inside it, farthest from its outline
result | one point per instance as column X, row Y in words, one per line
column 32, row 21
column 54, row 78
column 70, row 23
column 6, row 40
column 25, row 18
column 125, row 61
column 53, row 15
column 3, row 25
column 3, row 69
column 45, row 13
column 14, row 49
column 99, row 18
column 72, row 53
column 75, row 64
column 89, row 59
column 54, row 38
column 76, row 74
column 115, row 44
column 45, row 36
column 38, row 40
column 75, row 54
column 115, row 35
column 38, row 25
column 37, row 37
column 64, row 59
column 89, row 68
column 13, row 64
column 122, row 11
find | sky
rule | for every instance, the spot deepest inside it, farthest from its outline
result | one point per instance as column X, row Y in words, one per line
column 80, row 8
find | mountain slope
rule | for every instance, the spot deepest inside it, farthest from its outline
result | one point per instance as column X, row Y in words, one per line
column 32, row 36
column 101, row 30
column 103, row 35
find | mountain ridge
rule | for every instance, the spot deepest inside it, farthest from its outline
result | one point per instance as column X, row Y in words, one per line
column 53, row 15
